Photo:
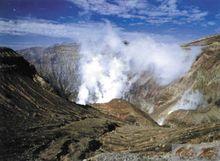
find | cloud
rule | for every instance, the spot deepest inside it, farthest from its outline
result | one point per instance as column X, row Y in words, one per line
column 73, row 31
column 217, row 16
column 163, row 11
column 49, row 28
column 211, row 23
column 57, row 32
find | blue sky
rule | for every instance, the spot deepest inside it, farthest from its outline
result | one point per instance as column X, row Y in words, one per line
column 25, row 23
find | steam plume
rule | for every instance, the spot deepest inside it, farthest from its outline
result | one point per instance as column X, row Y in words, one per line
column 190, row 100
column 108, row 66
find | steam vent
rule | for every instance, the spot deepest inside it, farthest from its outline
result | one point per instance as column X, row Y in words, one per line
column 38, row 124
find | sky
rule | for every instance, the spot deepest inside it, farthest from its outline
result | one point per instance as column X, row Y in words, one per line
column 26, row 23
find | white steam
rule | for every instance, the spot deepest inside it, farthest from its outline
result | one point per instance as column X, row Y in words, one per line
column 103, row 79
column 190, row 100
column 108, row 66
column 161, row 121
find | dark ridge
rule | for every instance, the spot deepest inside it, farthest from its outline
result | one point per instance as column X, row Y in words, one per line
column 10, row 61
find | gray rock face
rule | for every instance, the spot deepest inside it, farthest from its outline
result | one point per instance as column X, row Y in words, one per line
column 58, row 65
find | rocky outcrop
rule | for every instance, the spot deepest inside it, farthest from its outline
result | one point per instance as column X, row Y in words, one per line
column 11, row 62
column 57, row 64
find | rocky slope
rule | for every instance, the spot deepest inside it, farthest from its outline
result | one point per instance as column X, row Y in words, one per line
column 157, row 141
column 195, row 97
column 125, row 111
column 36, row 124
column 142, row 92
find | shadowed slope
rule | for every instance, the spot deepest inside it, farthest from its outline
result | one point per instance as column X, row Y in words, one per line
column 35, row 123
